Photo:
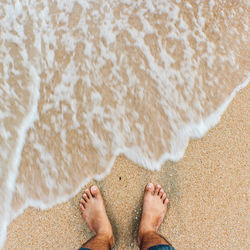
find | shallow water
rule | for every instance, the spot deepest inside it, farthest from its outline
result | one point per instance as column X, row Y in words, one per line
column 83, row 81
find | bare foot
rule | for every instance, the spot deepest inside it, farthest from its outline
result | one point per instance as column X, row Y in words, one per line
column 154, row 209
column 94, row 213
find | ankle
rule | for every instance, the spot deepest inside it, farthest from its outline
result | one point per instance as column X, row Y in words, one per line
column 107, row 237
column 146, row 227
column 143, row 231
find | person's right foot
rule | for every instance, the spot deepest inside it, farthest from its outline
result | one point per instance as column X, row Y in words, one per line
column 154, row 209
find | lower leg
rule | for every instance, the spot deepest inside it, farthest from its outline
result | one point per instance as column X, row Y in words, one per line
column 100, row 242
column 152, row 238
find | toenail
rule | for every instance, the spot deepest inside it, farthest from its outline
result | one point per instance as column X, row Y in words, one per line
column 158, row 186
column 150, row 185
column 94, row 188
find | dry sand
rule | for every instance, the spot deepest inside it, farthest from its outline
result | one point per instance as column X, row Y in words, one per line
column 207, row 191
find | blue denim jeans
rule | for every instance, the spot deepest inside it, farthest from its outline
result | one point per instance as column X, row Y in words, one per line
column 157, row 247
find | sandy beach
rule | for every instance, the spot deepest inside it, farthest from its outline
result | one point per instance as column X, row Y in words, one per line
column 207, row 189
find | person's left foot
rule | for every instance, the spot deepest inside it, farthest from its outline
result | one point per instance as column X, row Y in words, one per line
column 94, row 213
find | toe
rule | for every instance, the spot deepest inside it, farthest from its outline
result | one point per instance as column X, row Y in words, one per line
column 85, row 197
column 82, row 207
column 87, row 192
column 157, row 189
column 95, row 191
column 149, row 188
column 161, row 193
column 83, row 202
column 166, row 201
column 164, row 196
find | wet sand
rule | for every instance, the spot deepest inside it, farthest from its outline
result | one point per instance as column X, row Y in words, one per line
column 207, row 191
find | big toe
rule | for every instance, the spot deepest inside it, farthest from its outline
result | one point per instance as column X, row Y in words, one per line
column 95, row 191
column 149, row 188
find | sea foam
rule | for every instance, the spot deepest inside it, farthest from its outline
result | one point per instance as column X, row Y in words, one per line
column 84, row 81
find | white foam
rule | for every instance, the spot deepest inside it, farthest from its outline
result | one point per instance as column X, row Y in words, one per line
column 16, row 157
column 211, row 4
column 7, row 187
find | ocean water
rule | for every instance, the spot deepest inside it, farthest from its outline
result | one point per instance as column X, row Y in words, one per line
column 82, row 81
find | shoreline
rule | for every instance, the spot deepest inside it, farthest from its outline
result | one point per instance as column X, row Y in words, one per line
column 207, row 190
